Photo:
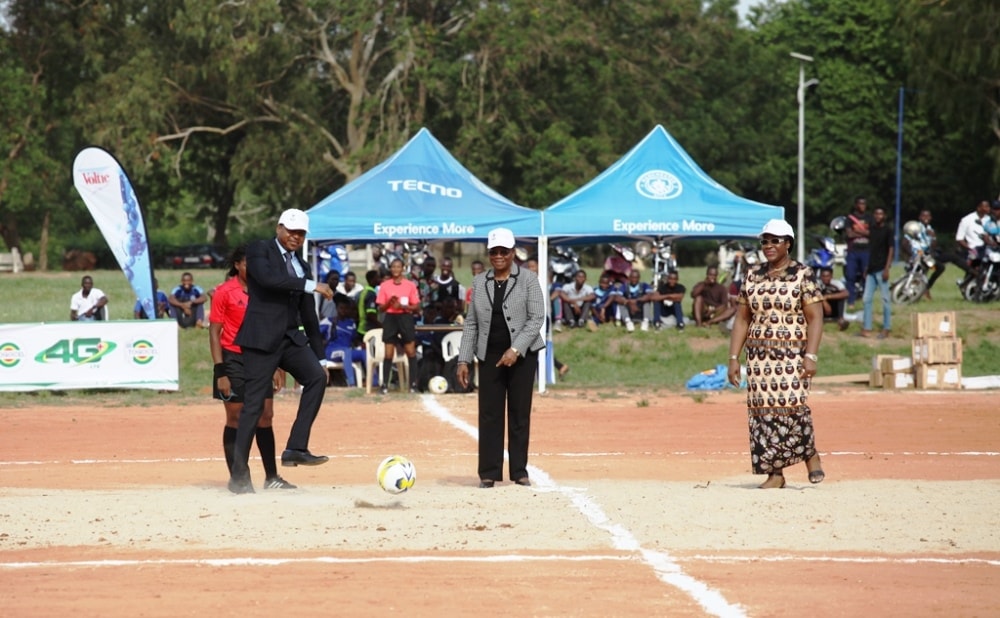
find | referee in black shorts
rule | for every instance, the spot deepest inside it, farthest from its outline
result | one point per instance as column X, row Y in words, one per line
column 399, row 298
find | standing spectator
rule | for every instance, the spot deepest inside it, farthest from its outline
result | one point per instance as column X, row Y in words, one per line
column 780, row 323
column 635, row 302
column 667, row 300
column 424, row 276
column 834, row 296
column 858, row 224
column 476, row 267
column 349, row 287
column 328, row 308
column 188, row 302
column 880, row 241
column 380, row 261
column 503, row 330
column 367, row 307
column 399, row 300
column 162, row 304
column 576, row 301
column 280, row 329
column 229, row 306
column 88, row 303
column 711, row 300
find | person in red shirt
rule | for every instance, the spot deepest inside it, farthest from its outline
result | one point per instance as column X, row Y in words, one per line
column 399, row 299
column 229, row 304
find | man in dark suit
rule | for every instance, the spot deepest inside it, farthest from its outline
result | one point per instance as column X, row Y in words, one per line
column 280, row 329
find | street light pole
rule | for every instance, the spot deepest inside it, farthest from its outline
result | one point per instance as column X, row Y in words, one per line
column 801, row 98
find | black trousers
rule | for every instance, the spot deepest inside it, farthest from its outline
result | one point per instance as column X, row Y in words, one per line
column 505, row 392
column 258, row 367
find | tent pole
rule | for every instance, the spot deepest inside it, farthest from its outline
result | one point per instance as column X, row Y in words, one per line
column 544, row 362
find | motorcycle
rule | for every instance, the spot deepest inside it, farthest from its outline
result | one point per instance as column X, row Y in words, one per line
column 910, row 287
column 564, row 264
column 332, row 257
column 618, row 265
column 823, row 256
column 983, row 285
column 735, row 257
column 662, row 254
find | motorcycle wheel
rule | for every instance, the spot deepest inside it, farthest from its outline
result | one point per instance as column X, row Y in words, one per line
column 908, row 290
column 971, row 292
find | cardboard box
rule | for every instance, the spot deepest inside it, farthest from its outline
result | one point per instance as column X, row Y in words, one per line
column 937, row 351
column 892, row 381
column 875, row 378
column 934, row 325
column 938, row 377
column 896, row 364
column 877, row 360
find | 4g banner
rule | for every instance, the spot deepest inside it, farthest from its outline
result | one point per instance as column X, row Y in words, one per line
column 86, row 355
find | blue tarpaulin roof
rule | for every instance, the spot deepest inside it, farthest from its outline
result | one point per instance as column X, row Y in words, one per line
column 655, row 191
column 420, row 192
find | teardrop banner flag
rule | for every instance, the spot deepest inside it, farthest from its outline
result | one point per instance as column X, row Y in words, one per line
column 108, row 194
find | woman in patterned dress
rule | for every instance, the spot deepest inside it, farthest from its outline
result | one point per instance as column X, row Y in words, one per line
column 780, row 323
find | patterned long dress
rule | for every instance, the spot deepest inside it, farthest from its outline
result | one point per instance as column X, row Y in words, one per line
column 781, row 428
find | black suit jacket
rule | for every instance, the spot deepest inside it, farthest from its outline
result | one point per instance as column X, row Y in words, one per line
column 274, row 294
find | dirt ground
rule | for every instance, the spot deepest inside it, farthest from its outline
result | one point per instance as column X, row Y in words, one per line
column 643, row 505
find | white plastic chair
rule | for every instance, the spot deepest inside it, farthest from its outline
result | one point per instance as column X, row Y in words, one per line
column 449, row 350
column 336, row 363
column 376, row 354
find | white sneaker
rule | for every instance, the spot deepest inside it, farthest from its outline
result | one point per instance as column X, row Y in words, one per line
column 629, row 326
column 644, row 326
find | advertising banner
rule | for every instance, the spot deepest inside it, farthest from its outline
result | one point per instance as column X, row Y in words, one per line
column 108, row 194
column 88, row 355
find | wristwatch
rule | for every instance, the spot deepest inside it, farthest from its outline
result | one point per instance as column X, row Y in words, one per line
column 812, row 357
column 515, row 351
column 734, row 357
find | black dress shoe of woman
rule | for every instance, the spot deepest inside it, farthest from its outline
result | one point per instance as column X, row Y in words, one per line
column 523, row 482
column 486, row 484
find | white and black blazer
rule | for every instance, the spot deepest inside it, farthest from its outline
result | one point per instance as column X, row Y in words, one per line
column 523, row 308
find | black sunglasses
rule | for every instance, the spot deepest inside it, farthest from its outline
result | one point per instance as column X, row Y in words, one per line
column 502, row 251
column 771, row 241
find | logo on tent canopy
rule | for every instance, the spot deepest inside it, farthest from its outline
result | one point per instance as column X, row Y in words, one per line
column 659, row 185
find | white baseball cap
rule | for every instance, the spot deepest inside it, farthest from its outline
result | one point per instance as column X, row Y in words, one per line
column 294, row 219
column 500, row 237
column 778, row 227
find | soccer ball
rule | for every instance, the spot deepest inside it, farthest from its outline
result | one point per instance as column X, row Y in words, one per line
column 396, row 474
column 438, row 385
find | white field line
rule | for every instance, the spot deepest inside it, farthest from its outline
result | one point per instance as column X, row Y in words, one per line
column 664, row 566
column 94, row 462
column 265, row 562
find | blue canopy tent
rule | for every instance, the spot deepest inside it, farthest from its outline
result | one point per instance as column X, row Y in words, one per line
column 419, row 193
column 655, row 191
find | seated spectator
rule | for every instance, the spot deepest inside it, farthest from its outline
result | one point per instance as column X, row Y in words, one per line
column 834, row 298
column 667, row 301
column 634, row 302
column 161, row 304
column 188, row 302
column 349, row 287
column 344, row 343
column 604, row 308
column 711, row 300
column 576, row 300
column 88, row 304
column 328, row 308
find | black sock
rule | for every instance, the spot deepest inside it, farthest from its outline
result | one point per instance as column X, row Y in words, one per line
column 386, row 374
column 265, row 444
column 229, row 445
column 413, row 372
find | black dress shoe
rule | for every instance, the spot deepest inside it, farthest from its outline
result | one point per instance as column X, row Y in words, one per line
column 486, row 484
column 294, row 458
column 240, row 486
column 523, row 482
